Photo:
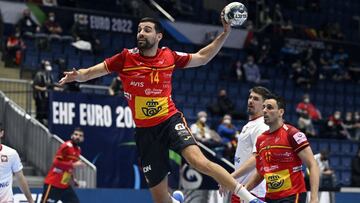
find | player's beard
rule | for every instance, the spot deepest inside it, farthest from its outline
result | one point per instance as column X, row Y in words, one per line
column 144, row 44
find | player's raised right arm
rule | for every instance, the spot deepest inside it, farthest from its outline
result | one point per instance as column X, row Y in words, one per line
column 83, row 75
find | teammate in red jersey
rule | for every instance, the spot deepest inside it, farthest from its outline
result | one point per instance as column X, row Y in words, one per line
column 146, row 73
column 280, row 152
column 57, row 182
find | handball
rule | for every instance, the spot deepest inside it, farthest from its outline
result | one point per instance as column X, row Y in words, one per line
column 235, row 14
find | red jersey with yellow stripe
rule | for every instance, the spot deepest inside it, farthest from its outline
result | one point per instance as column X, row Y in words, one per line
column 147, row 82
column 61, row 170
column 277, row 161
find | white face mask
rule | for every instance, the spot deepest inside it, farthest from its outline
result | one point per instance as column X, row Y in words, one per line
column 227, row 121
column 306, row 100
column 202, row 119
column 48, row 68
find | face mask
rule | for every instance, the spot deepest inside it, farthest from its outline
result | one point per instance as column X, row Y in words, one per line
column 336, row 116
column 52, row 18
column 202, row 119
column 227, row 121
column 307, row 100
column 17, row 35
column 48, row 68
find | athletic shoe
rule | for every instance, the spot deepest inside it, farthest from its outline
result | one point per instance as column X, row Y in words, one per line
column 257, row 201
column 178, row 195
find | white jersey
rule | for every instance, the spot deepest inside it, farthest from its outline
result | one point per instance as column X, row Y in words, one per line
column 245, row 149
column 9, row 163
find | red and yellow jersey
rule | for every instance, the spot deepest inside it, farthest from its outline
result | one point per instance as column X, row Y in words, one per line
column 61, row 170
column 147, row 82
column 277, row 161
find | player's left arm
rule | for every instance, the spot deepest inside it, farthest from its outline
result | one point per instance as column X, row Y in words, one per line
column 24, row 185
column 204, row 55
column 255, row 179
column 307, row 156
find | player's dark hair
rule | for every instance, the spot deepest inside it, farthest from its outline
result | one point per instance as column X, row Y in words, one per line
column 158, row 26
column 280, row 101
column 78, row 129
column 263, row 91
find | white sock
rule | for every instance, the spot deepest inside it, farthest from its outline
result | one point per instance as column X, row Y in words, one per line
column 174, row 200
column 243, row 193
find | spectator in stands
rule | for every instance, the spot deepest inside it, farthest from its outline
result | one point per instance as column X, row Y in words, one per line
column 305, row 125
column 203, row 133
column 81, row 31
column 57, row 184
column 299, row 75
column 355, row 170
column 227, row 132
column 252, row 71
column 326, row 61
column 11, row 165
column 28, row 27
column 335, row 127
column 327, row 176
column 349, row 125
column 278, row 16
column 52, row 27
column 43, row 82
column 307, row 109
column 237, row 71
column 357, row 125
column 223, row 106
column 14, row 49
column 116, row 87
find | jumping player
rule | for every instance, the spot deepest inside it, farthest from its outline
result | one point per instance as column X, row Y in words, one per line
column 280, row 152
column 146, row 73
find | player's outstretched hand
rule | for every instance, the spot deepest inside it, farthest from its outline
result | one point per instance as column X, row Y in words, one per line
column 78, row 164
column 222, row 191
column 227, row 27
column 70, row 76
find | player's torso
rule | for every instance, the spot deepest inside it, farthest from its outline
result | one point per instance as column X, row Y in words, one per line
column 279, row 164
column 147, row 87
column 6, row 173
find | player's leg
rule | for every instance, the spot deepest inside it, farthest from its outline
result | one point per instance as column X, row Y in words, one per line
column 154, row 156
column 69, row 196
column 50, row 194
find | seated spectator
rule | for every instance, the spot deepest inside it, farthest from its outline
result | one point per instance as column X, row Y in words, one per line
column 14, row 49
column 54, row 29
column 305, row 125
column 237, row 71
column 335, row 127
column 355, row 170
column 306, row 108
column 227, row 132
column 82, row 32
column 116, row 87
column 28, row 27
column 349, row 125
column 203, row 133
column 299, row 75
column 327, row 176
column 223, row 105
column 252, row 71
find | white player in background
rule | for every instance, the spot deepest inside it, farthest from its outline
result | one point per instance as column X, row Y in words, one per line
column 10, row 164
column 244, row 159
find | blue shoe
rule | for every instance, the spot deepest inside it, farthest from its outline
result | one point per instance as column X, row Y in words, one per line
column 257, row 201
column 178, row 195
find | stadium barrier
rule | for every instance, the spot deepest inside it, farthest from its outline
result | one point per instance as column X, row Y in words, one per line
column 35, row 143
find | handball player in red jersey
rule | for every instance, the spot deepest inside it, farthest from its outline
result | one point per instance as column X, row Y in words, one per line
column 280, row 153
column 57, row 182
column 146, row 73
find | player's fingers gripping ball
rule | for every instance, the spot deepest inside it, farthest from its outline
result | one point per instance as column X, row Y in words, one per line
column 235, row 14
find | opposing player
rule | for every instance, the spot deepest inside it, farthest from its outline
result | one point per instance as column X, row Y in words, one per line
column 146, row 73
column 280, row 153
column 245, row 151
column 57, row 182
column 10, row 164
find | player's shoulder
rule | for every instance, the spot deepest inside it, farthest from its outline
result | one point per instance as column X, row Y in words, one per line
column 291, row 130
column 67, row 144
column 8, row 150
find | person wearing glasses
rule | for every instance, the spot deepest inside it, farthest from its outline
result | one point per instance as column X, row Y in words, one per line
column 57, row 184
